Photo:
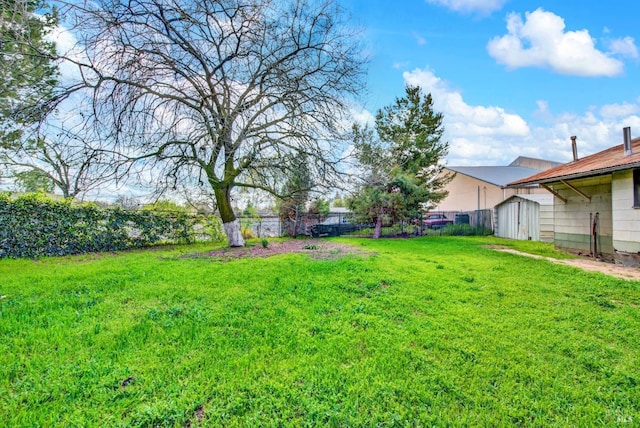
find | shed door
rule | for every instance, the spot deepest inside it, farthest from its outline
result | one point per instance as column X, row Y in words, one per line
column 520, row 219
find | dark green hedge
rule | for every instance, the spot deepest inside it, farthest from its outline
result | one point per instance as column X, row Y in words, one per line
column 35, row 225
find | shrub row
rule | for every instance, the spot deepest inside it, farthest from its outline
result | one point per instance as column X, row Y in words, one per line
column 463, row 229
column 35, row 226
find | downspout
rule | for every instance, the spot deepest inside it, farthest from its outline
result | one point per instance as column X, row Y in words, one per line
column 590, row 236
column 596, row 235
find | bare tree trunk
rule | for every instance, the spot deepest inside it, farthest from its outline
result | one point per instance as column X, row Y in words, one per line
column 234, row 233
column 378, row 230
column 230, row 223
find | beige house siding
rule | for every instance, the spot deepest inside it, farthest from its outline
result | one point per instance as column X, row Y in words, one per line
column 547, row 224
column 573, row 219
column 626, row 219
column 468, row 194
column 463, row 194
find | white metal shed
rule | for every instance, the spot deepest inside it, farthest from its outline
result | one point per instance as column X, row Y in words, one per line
column 525, row 217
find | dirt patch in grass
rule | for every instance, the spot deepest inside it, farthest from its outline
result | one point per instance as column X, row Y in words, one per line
column 315, row 248
column 589, row 264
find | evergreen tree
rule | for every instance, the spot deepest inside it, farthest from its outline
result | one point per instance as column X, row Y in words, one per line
column 401, row 158
column 28, row 73
column 292, row 205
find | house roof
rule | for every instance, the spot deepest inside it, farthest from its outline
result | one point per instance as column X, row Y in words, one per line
column 525, row 160
column 496, row 175
column 604, row 162
column 540, row 198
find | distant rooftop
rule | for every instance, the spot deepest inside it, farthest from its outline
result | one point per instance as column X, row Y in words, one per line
column 539, row 164
column 496, row 175
column 520, row 168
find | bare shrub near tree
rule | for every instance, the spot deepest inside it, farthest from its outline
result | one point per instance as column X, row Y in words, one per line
column 219, row 93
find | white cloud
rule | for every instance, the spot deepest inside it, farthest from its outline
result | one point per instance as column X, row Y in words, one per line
column 363, row 117
column 67, row 47
column 399, row 65
column 541, row 41
column 482, row 7
column 475, row 133
column 624, row 47
column 613, row 111
column 488, row 135
column 419, row 39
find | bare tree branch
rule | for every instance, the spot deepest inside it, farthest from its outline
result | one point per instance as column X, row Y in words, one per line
column 230, row 89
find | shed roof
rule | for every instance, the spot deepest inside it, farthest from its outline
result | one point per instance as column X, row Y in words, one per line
column 496, row 175
column 604, row 162
column 540, row 198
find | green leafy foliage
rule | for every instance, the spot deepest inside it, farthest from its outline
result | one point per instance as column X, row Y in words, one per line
column 463, row 229
column 34, row 225
column 319, row 208
column 33, row 181
column 402, row 160
column 295, row 208
column 295, row 195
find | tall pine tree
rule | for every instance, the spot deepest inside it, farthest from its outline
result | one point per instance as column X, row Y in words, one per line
column 28, row 73
column 400, row 160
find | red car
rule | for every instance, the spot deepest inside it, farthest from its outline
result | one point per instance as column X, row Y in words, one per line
column 437, row 221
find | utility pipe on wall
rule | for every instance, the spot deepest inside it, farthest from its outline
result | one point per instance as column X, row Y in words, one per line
column 596, row 233
column 590, row 235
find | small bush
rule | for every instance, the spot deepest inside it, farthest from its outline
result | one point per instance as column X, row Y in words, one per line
column 265, row 243
column 247, row 232
column 463, row 229
column 212, row 227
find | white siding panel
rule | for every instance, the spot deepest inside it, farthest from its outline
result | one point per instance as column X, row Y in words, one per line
column 626, row 219
column 519, row 219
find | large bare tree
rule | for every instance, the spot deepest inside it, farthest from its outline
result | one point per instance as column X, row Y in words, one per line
column 39, row 145
column 224, row 93
column 72, row 158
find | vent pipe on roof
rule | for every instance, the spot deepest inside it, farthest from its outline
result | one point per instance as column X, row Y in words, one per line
column 574, row 148
column 626, row 136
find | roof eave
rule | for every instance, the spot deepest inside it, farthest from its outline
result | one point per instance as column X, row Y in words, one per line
column 584, row 174
column 476, row 178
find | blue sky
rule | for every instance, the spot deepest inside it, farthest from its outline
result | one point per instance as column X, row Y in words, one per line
column 512, row 77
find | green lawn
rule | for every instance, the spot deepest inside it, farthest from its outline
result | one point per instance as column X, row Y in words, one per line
column 435, row 331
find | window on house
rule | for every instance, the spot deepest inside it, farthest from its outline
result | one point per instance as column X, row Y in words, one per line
column 636, row 188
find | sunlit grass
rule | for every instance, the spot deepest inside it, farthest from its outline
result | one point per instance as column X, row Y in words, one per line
column 430, row 331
